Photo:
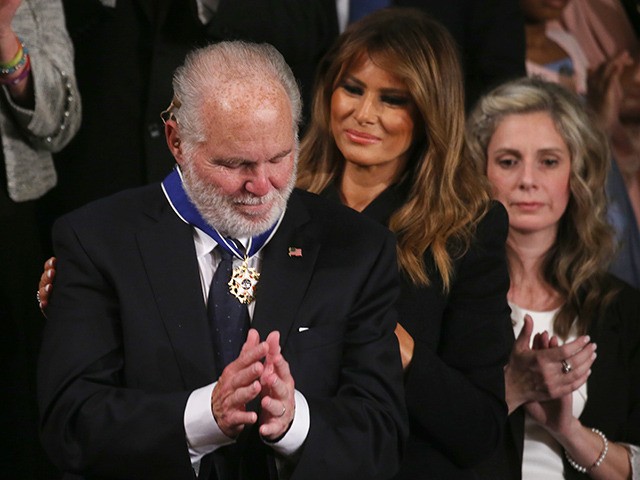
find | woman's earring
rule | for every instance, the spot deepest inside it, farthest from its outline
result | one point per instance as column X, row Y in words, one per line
column 176, row 143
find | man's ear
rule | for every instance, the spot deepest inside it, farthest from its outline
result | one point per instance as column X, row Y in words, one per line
column 173, row 140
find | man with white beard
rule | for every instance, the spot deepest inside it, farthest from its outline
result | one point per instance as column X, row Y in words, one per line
column 222, row 325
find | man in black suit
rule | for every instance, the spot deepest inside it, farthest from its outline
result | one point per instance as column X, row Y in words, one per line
column 133, row 380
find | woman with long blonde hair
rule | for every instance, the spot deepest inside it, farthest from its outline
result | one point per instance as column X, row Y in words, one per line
column 386, row 138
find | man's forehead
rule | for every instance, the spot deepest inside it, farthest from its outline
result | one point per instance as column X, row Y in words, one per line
column 249, row 123
column 246, row 94
column 248, row 113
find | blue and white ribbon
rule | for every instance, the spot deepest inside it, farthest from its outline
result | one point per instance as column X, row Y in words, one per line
column 179, row 200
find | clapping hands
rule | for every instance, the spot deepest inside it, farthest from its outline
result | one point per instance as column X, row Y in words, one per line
column 259, row 371
column 535, row 371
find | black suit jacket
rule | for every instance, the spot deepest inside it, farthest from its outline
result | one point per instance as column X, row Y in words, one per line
column 613, row 389
column 127, row 339
column 455, row 383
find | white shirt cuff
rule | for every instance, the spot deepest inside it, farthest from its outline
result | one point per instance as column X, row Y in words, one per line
column 297, row 434
column 203, row 434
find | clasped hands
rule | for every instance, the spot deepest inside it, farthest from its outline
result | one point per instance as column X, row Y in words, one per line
column 535, row 372
column 260, row 370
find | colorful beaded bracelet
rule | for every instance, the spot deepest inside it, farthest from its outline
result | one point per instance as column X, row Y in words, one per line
column 23, row 74
column 17, row 62
column 14, row 61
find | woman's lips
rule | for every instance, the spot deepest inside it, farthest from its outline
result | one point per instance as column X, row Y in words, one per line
column 527, row 206
column 361, row 137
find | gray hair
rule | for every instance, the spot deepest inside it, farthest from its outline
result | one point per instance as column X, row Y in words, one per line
column 206, row 69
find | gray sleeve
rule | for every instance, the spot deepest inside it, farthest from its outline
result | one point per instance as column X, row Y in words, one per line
column 57, row 113
column 29, row 136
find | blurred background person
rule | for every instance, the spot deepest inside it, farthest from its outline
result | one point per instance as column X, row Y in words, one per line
column 547, row 162
column 39, row 113
column 606, row 30
column 386, row 139
column 556, row 54
column 552, row 52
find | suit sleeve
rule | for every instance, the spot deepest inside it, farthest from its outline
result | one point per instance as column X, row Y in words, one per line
column 88, row 417
column 462, row 379
column 359, row 431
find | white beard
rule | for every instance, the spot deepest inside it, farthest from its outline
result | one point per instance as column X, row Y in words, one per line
column 218, row 210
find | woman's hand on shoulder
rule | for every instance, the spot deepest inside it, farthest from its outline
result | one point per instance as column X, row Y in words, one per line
column 45, row 286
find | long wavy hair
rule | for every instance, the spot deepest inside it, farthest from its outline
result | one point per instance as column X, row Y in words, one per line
column 575, row 265
column 447, row 196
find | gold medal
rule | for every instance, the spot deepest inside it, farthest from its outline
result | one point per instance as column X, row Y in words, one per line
column 243, row 283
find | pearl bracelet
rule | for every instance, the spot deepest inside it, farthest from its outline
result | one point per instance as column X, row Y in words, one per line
column 600, row 459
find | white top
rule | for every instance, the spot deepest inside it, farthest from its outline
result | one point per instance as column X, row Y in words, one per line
column 542, row 455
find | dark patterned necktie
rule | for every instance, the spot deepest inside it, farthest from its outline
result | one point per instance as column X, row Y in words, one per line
column 229, row 319
column 229, row 327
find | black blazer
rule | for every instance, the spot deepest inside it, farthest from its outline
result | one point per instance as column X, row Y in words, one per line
column 613, row 389
column 127, row 339
column 455, row 383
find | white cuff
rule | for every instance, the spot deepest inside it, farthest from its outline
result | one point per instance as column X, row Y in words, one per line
column 297, row 434
column 202, row 432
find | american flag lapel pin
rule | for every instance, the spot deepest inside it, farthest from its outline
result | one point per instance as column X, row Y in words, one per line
column 295, row 252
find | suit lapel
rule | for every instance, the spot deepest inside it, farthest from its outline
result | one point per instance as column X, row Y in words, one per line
column 284, row 278
column 168, row 253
